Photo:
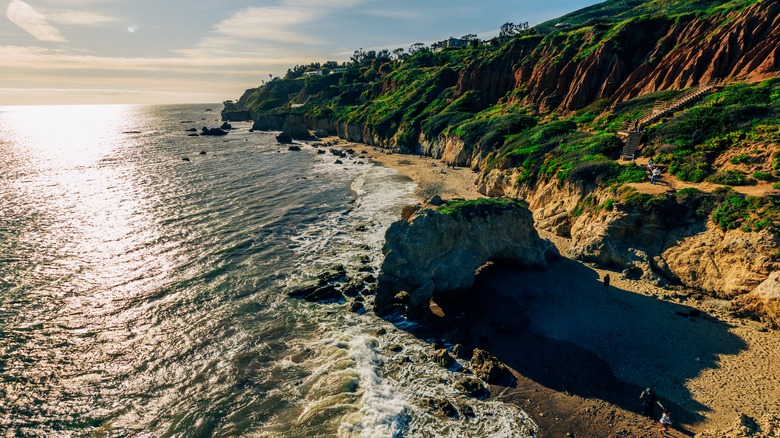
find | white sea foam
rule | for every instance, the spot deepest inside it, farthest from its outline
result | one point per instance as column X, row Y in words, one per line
column 392, row 388
column 383, row 411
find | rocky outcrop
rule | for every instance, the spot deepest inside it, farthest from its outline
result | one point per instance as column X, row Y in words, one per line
column 450, row 149
column 726, row 263
column 662, row 246
column 763, row 303
column 435, row 252
column 607, row 237
column 284, row 138
column 212, row 131
column 490, row 369
column 236, row 116
column 294, row 125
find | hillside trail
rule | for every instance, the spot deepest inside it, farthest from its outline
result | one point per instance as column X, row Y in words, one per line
column 667, row 183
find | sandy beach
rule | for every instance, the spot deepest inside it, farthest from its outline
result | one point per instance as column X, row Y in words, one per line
column 582, row 353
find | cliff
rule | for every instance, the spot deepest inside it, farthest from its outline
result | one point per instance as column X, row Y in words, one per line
column 537, row 115
column 611, row 60
column 439, row 252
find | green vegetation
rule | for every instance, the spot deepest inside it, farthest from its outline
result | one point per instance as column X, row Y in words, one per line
column 460, row 206
column 731, row 178
column 749, row 213
column 763, row 176
column 694, row 138
column 418, row 98
column 614, row 11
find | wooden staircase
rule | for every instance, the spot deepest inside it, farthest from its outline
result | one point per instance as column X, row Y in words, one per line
column 632, row 130
column 662, row 108
column 634, row 139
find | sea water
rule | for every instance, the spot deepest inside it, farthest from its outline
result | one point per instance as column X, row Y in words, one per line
column 142, row 294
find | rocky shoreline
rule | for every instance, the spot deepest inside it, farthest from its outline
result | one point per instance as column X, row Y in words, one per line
column 572, row 359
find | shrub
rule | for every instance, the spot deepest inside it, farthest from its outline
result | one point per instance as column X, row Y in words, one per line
column 582, row 206
column 631, row 174
column 700, row 203
column 437, row 124
column 592, row 171
column 609, row 204
column 554, row 129
column 699, row 124
column 744, row 94
column 739, row 159
column 460, row 206
column 731, row 178
column 730, row 215
column 763, row 176
column 693, row 167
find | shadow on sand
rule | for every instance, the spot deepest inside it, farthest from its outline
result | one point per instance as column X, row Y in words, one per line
column 561, row 329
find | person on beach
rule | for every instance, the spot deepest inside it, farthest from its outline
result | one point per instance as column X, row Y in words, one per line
column 649, row 400
column 655, row 175
column 606, row 281
column 665, row 421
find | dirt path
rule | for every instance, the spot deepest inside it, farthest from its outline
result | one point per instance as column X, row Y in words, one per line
column 669, row 183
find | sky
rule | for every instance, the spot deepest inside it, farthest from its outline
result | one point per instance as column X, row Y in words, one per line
column 208, row 51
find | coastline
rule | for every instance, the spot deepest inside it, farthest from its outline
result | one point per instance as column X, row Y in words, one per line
column 430, row 175
column 582, row 354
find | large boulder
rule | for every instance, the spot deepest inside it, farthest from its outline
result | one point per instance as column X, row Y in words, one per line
column 606, row 237
column 436, row 251
column 763, row 303
column 728, row 263
column 284, row 138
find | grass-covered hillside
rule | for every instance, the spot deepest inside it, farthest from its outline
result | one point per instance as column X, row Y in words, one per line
column 614, row 11
column 546, row 103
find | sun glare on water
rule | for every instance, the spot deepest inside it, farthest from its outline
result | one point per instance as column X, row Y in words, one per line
column 73, row 170
column 66, row 134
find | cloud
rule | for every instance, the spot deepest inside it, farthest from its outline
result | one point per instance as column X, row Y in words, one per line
column 327, row 4
column 32, row 21
column 267, row 23
column 40, row 59
column 81, row 18
column 283, row 25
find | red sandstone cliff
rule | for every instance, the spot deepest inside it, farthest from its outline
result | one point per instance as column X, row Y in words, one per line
column 569, row 70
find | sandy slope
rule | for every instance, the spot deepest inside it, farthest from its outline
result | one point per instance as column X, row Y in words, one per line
column 582, row 353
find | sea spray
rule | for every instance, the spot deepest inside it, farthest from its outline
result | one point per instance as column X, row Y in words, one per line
column 383, row 411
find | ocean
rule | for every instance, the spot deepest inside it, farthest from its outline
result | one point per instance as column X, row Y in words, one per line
column 145, row 295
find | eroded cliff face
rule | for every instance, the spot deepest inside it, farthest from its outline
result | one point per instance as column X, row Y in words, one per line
column 449, row 149
column 297, row 126
column 763, row 303
column 727, row 263
column 664, row 246
column 567, row 72
column 440, row 253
